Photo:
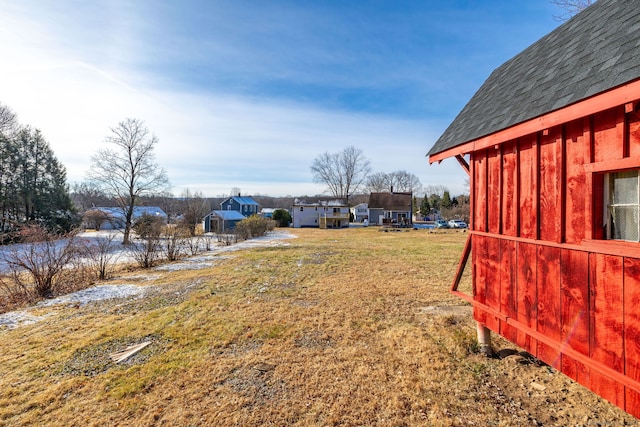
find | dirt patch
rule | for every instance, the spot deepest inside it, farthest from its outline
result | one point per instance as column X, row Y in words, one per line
column 94, row 359
column 447, row 310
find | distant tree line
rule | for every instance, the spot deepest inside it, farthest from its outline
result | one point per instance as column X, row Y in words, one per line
column 347, row 175
column 33, row 187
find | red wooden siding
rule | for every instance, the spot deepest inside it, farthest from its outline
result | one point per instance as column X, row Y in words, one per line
column 528, row 179
column 541, row 277
column 632, row 326
column 577, row 153
column 574, row 317
column 509, row 189
column 634, row 134
column 550, row 183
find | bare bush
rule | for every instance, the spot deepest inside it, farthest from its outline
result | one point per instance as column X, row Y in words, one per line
column 100, row 255
column 12, row 294
column 146, row 252
column 39, row 263
column 227, row 239
column 199, row 244
column 175, row 241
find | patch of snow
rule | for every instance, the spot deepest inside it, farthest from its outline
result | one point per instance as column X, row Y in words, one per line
column 95, row 293
column 14, row 319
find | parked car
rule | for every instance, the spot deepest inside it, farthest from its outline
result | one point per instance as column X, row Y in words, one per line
column 457, row 223
column 441, row 223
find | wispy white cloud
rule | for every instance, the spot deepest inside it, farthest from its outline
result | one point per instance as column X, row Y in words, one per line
column 238, row 95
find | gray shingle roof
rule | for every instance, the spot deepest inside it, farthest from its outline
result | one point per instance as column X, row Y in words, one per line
column 597, row 50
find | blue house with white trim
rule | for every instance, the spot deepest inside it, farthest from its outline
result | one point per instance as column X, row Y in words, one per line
column 245, row 205
column 232, row 210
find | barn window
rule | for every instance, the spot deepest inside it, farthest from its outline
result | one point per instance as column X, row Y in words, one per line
column 623, row 205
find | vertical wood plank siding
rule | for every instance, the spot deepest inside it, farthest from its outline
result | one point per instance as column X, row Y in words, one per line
column 537, row 274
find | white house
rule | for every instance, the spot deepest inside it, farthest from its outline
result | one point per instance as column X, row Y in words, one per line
column 360, row 212
column 321, row 214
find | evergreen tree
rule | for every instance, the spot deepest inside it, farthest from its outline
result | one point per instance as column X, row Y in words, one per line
column 425, row 207
column 32, row 184
column 446, row 200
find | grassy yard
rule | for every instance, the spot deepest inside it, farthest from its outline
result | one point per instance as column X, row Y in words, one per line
column 351, row 327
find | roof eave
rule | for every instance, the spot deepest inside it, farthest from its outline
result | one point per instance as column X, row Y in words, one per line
column 621, row 95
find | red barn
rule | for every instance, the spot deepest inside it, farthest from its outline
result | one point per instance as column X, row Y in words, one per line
column 552, row 140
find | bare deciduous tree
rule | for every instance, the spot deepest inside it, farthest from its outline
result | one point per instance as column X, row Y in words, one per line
column 8, row 119
column 86, row 195
column 398, row 181
column 378, row 182
column 570, row 8
column 128, row 171
column 194, row 208
column 343, row 173
column 435, row 189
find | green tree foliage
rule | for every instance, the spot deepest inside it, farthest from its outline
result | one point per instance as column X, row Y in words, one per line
column 425, row 207
column 435, row 201
column 282, row 217
column 33, row 188
column 446, row 200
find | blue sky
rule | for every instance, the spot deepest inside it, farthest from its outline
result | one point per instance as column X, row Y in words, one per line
column 247, row 93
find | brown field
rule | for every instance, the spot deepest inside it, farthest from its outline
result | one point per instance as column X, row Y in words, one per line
column 351, row 327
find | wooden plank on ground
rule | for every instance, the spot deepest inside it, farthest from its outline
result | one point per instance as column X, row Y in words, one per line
column 123, row 355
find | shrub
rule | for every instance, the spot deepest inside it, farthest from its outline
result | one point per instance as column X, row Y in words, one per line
column 148, row 226
column 254, row 226
column 175, row 241
column 41, row 260
column 100, row 255
column 282, row 217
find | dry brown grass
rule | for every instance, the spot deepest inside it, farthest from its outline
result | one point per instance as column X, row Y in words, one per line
column 346, row 327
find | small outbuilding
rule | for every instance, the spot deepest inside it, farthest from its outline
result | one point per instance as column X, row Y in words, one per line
column 220, row 221
column 551, row 143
